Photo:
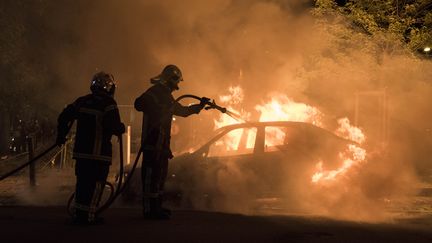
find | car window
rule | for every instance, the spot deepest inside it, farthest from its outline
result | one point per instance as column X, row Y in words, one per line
column 236, row 142
column 279, row 137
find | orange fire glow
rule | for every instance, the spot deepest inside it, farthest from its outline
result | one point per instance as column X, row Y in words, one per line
column 352, row 156
column 347, row 131
column 282, row 108
column 232, row 140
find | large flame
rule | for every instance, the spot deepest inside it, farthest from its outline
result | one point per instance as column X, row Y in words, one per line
column 231, row 141
column 351, row 157
column 231, row 101
column 281, row 108
column 347, row 131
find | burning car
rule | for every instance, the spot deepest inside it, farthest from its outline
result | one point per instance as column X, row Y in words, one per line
column 255, row 160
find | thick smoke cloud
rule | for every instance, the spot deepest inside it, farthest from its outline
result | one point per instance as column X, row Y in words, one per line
column 210, row 41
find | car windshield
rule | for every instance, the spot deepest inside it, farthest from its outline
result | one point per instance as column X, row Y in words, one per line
column 197, row 145
column 237, row 141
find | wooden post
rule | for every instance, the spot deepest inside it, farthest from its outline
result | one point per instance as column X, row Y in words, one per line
column 64, row 155
column 32, row 174
column 128, row 145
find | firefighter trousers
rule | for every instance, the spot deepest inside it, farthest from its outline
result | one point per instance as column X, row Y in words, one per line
column 91, row 177
column 153, row 174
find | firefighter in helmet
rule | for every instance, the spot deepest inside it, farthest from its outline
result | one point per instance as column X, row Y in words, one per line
column 158, row 107
column 97, row 119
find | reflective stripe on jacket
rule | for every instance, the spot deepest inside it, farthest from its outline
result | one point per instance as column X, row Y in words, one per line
column 158, row 107
column 97, row 119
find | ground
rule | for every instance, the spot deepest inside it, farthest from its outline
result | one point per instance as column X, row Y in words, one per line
column 49, row 224
column 22, row 222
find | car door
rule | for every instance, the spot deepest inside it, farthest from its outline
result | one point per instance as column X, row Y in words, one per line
column 227, row 162
column 281, row 157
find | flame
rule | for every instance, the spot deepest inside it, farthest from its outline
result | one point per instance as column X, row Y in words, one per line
column 353, row 156
column 347, row 131
column 234, row 97
column 278, row 108
column 281, row 108
column 230, row 101
column 232, row 140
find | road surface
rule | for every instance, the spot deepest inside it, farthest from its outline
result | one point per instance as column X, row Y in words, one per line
column 49, row 224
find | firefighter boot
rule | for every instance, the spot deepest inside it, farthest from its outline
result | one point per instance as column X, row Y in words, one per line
column 80, row 217
column 152, row 210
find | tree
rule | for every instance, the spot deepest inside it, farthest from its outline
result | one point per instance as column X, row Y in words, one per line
column 21, row 74
column 405, row 23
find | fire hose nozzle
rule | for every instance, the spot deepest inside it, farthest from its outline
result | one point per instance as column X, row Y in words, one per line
column 213, row 105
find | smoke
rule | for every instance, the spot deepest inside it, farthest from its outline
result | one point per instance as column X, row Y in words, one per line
column 263, row 46
column 49, row 189
column 210, row 41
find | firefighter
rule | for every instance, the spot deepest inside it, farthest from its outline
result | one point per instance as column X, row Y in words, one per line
column 98, row 119
column 158, row 107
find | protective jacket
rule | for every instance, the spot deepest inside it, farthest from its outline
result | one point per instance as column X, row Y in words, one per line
column 98, row 119
column 158, row 106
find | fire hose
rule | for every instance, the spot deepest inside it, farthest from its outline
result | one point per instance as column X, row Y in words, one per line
column 213, row 105
column 120, row 188
column 28, row 163
column 113, row 194
column 32, row 160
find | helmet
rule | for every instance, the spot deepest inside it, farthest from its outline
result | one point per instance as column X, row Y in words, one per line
column 171, row 75
column 103, row 83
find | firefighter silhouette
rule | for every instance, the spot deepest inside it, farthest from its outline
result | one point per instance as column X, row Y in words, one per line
column 158, row 107
column 97, row 119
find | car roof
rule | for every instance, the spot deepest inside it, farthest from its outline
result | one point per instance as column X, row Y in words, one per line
column 265, row 124
column 293, row 124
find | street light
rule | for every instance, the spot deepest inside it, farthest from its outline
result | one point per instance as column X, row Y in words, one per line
column 427, row 49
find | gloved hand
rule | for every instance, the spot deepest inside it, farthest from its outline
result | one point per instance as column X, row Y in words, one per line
column 60, row 141
column 198, row 107
column 204, row 101
column 168, row 154
column 121, row 129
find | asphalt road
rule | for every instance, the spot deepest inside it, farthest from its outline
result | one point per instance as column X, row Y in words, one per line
column 49, row 224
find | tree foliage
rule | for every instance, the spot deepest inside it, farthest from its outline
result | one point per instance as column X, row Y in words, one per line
column 19, row 73
column 406, row 23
